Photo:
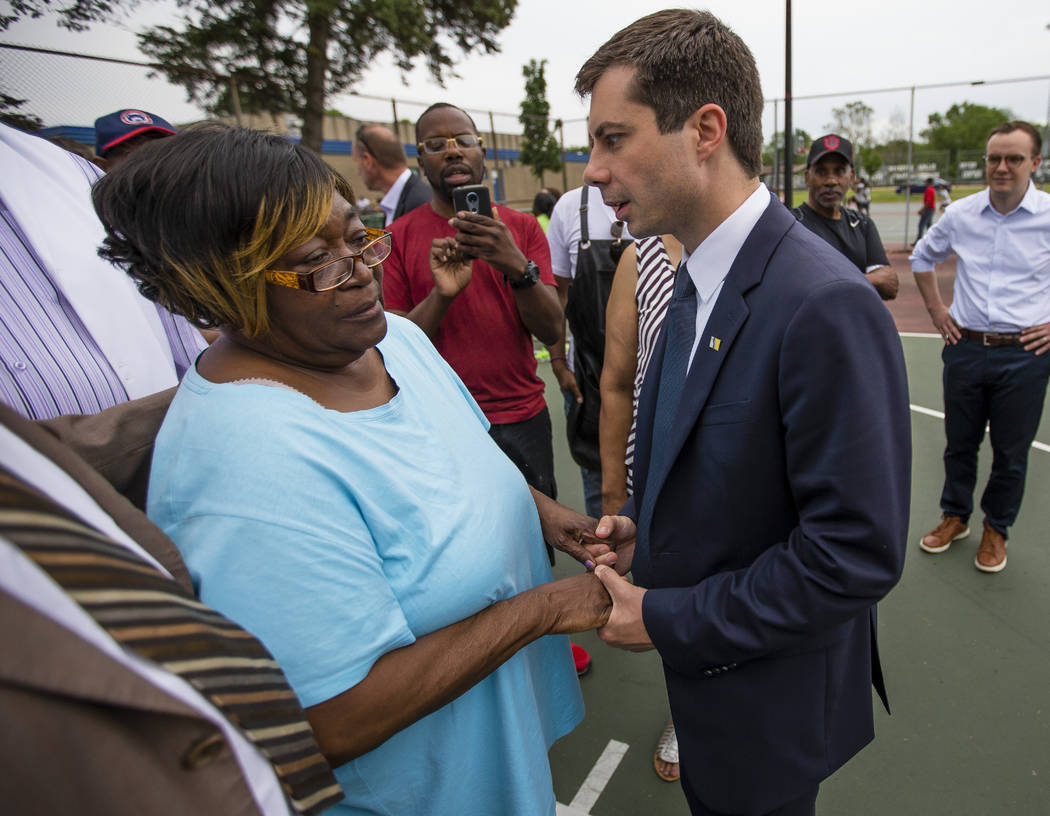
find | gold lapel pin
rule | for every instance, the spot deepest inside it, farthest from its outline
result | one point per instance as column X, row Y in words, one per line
column 715, row 342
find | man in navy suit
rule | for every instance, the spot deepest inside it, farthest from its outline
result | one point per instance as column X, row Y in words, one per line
column 773, row 447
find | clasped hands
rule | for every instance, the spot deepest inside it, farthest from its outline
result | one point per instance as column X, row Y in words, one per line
column 607, row 548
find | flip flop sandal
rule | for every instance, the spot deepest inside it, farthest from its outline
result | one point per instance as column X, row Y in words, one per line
column 666, row 751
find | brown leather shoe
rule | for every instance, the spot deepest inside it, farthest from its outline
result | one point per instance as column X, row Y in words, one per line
column 940, row 538
column 991, row 555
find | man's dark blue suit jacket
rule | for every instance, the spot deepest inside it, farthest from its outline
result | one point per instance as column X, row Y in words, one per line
column 779, row 521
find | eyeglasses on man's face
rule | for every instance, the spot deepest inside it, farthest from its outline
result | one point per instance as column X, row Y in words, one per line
column 1015, row 160
column 441, row 144
column 375, row 248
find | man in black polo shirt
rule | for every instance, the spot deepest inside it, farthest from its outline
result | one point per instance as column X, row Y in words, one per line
column 829, row 175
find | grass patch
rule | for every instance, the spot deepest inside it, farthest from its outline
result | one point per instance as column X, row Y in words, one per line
column 889, row 194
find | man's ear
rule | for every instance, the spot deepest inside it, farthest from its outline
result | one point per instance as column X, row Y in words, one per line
column 708, row 126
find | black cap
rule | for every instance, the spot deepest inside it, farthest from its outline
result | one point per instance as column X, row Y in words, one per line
column 831, row 143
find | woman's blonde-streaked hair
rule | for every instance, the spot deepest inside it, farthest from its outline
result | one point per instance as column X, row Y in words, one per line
column 197, row 218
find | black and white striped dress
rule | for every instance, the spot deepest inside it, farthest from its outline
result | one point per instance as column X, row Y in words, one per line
column 651, row 295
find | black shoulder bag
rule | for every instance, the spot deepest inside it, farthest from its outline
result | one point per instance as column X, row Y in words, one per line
column 585, row 311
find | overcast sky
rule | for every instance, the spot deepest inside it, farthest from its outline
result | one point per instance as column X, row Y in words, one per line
column 838, row 48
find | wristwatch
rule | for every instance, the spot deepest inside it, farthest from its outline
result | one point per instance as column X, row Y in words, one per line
column 530, row 278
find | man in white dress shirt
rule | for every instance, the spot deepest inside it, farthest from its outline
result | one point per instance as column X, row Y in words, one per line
column 996, row 336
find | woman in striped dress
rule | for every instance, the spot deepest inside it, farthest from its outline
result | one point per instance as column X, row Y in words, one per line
column 638, row 301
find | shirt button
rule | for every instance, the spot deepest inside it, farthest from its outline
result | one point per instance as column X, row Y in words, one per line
column 20, row 366
column 203, row 751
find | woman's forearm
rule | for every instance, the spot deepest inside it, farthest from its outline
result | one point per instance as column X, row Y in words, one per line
column 408, row 683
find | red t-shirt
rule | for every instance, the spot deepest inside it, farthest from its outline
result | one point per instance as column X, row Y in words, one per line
column 482, row 336
column 929, row 198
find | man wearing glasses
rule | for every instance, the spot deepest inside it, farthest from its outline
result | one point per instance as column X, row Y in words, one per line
column 482, row 318
column 380, row 159
column 996, row 335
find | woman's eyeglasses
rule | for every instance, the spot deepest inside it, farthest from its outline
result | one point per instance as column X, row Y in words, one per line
column 331, row 274
column 441, row 144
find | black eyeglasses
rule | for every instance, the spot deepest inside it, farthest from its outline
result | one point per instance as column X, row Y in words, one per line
column 1016, row 160
column 375, row 248
column 441, row 144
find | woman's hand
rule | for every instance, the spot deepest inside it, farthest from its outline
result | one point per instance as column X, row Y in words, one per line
column 580, row 603
column 450, row 269
column 564, row 529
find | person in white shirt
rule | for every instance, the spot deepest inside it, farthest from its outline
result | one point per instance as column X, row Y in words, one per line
column 996, row 336
column 380, row 159
column 606, row 236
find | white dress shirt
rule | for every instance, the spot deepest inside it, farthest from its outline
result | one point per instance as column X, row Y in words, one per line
column 710, row 262
column 389, row 202
column 1002, row 275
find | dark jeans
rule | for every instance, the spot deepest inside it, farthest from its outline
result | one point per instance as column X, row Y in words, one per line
column 530, row 447
column 1002, row 387
column 805, row 805
column 925, row 222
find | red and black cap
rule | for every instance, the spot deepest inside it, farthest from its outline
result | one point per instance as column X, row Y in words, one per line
column 117, row 127
column 831, row 143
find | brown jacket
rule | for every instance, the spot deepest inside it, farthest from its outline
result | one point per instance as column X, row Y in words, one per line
column 81, row 733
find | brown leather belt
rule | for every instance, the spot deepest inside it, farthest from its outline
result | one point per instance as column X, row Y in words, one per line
column 993, row 338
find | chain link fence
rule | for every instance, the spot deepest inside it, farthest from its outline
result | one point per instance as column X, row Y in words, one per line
column 68, row 91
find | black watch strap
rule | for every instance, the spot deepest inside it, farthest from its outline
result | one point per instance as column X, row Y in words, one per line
column 530, row 278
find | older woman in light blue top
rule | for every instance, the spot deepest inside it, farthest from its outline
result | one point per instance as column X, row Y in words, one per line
column 332, row 486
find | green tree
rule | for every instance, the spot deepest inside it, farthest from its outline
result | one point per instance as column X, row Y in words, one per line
column 800, row 142
column 963, row 126
column 10, row 115
column 853, row 121
column 289, row 55
column 868, row 159
column 539, row 148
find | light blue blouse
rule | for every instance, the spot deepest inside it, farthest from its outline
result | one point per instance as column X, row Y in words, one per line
column 338, row 537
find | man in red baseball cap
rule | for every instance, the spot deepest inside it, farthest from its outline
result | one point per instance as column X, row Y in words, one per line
column 117, row 134
column 829, row 175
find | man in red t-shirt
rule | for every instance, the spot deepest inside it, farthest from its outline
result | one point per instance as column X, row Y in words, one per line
column 929, row 206
column 481, row 315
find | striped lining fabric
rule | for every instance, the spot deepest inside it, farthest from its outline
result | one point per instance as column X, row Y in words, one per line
column 153, row 616
column 651, row 295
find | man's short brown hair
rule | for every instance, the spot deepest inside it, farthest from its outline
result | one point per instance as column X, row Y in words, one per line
column 1017, row 124
column 686, row 59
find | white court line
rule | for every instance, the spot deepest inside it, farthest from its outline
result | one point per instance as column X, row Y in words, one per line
column 1039, row 446
column 595, row 782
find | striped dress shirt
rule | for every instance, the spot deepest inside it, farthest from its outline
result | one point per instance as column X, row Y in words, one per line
column 50, row 363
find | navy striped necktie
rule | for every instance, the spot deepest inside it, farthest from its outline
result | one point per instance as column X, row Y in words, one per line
column 151, row 615
column 680, row 326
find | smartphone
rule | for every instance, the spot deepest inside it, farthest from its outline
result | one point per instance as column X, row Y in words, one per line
column 473, row 198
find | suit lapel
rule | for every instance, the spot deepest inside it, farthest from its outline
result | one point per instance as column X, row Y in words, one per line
column 52, row 658
column 729, row 315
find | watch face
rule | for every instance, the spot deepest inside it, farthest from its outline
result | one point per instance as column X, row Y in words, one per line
column 530, row 278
